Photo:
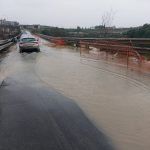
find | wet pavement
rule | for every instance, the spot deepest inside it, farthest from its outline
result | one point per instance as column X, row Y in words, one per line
column 56, row 99
column 34, row 116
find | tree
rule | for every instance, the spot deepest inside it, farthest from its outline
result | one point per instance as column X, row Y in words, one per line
column 78, row 29
column 107, row 19
column 139, row 32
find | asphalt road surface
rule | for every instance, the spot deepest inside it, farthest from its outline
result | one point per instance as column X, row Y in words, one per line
column 34, row 116
column 58, row 100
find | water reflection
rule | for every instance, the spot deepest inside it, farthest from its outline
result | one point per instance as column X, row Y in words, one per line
column 115, row 102
column 116, row 58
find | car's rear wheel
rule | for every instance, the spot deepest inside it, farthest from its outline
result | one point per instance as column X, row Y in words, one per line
column 20, row 50
column 38, row 50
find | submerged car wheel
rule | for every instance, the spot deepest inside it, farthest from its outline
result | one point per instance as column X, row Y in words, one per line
column 20, row 50
column 38, row 50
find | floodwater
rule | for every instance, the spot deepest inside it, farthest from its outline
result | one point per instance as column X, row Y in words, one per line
column 115, row 99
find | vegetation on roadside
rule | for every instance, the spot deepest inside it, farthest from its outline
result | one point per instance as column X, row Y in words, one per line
column 92, row 32
column 100, row 31
column 54, row 31
column 139, row 32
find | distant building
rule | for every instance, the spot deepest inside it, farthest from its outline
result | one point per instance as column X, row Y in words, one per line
column 31, row 27
column 8, row 29
column 8, row 23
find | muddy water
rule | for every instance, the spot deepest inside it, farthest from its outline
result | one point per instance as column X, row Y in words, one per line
column 114, row 100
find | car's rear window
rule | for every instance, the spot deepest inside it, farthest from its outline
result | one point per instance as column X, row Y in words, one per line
column 28, row 40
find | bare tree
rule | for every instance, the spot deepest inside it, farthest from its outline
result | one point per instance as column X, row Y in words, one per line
column 107, row 20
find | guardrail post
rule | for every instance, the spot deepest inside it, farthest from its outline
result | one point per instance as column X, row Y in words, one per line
column 128, row 57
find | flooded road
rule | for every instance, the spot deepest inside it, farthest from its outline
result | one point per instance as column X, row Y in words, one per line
column 116, row 100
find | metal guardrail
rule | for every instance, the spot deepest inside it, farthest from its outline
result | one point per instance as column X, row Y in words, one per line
column 2, row 42
column 95, row 39
column 139, row 46
column 136, row 42
column 5, row 43
column 5, row 46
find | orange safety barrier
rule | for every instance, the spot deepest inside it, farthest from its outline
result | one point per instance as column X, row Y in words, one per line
column 59, row 41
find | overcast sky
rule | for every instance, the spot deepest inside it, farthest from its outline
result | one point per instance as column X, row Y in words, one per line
column 73, row 13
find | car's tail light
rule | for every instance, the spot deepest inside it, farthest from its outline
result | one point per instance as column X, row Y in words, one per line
column 21, row 43
column 36, row 43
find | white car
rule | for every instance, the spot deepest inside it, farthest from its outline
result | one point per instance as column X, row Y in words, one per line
column 28, row 43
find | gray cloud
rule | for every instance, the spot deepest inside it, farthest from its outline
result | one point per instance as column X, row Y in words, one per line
column 70, row 13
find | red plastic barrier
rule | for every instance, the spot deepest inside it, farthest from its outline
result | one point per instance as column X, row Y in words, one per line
column 59, row 41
